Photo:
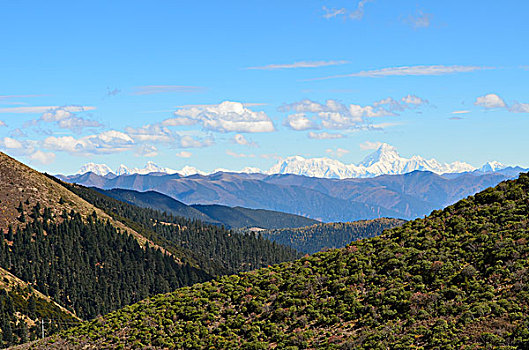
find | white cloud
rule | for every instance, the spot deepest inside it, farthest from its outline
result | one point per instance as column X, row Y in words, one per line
column 239, row 155
column 408, row 70
column 331, row 13
column 179, row 121
column 419, row 20
column 111, row 141
column 77, row 124
column 151, row 133
column 228, row 117
column 184, row 154
column 338, row 116
column 65, row 118
column 368, row 145
column 519, row 108
column 43, row 157
column 324, row 136
column 241, row 140
column 2, row 124
column 300, row 64
column 461, row 112
column 339, row 152
column 356, row 14
column 414, row 100
column 299, row 122
column 158, row 89
column 490, row 101
column 187, row 141
column 146, row 151
column 10, row 143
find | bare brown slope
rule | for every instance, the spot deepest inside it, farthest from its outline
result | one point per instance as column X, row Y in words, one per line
column 20, row 183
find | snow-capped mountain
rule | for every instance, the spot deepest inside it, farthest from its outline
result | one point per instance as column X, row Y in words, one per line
column 491, row 167
column 150, row 167
column 384, row 161
column 99, row 169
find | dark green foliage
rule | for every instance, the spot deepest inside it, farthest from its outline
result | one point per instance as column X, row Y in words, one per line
column 214, row 249
column 90, row 267
column 315, row 238
column 458, row 279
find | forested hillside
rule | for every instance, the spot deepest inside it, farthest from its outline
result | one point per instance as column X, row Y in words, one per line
column 456, row 279
column 70, row 259
column 214, row 249
column 315, row 238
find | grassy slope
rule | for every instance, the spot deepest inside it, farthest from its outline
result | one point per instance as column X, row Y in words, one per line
column 456, row 279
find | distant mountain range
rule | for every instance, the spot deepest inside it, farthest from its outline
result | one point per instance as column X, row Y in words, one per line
column 384, row 161
column 236, row 217
column 404, row 196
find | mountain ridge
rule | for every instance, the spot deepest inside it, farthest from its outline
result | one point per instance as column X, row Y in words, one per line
column 406, row 196
column 385, row 160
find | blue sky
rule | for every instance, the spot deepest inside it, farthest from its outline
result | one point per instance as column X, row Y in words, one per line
column 128, row 82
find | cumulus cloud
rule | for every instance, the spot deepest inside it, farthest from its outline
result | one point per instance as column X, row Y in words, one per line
column 369, row 145
column 324, row 136
column 339, row 152
column 241, row 140
column 519, row 108
column 490, row 101
column 111, row 141
column 407, row 71
column 336, row 115
column 66, row 118
column 300, row 64
column 151, row 133
column 299, row 121
column 158, row 89
column 228, row 117
column 10, row 143
column 414, row 100
column 184, row 154
column 43, row 157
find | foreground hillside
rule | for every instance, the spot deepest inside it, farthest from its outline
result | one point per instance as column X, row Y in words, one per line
column 315, row 238
column 456, row 279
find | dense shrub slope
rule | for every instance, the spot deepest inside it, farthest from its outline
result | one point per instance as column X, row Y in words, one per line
column 456, row 279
